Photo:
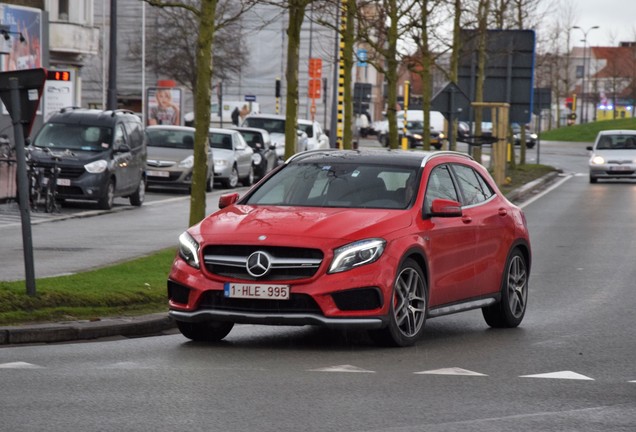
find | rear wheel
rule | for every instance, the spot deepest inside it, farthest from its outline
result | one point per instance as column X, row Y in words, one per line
column 407, row 313
column 107, row 200
column 510, row 310
column 233, row 180
column 205, row 331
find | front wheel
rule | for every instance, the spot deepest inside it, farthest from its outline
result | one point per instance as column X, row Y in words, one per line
column 137, row 198
column 107, row 200
column 249, row 180
column 205, row 331
column 407, row 313
column 510, row 310
column 233, row 180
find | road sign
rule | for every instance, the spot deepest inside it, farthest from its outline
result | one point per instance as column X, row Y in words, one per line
column 315, row 67
column 314, row 88
column 250, row 98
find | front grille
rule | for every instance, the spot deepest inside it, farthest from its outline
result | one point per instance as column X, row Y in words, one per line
column 287, row 263
column 67, row 172
column 297, row 303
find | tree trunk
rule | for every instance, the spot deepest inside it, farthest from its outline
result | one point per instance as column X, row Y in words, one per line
column 205, row 42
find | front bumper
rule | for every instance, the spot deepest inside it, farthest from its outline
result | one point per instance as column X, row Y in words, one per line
column 277, row 319
column 613, row 171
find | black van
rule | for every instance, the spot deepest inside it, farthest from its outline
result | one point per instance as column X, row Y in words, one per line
column 102, row 154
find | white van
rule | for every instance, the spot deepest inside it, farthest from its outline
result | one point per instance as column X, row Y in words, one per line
column 437, row 127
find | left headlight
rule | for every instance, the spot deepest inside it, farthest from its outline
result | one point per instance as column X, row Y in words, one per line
column 189, row 250
column 256, row 158
column 97, row 167
column 356, row 254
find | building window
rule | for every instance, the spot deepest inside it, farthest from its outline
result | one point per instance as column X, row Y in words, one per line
column 62, row 10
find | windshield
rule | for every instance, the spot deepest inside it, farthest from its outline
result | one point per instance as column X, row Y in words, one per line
column 345, row 185
column 307, row 128
column 221, row 141
column 271, row 125
column 617, row 142
column 181, row 139
column 74, row 137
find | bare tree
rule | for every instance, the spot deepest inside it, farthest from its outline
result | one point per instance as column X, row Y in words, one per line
column 207, row 20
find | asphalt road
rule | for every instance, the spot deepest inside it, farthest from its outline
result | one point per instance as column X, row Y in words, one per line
column 569, row 367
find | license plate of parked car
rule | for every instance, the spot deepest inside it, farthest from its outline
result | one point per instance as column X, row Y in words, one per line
column 158, row 173
column 257, row 291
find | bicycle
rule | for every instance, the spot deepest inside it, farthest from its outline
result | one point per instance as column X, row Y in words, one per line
column 42, row 184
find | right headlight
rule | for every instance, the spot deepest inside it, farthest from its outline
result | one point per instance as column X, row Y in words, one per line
column 187, row 162
column 189, row 250
column 356, row 254
column 597, row 160
column 256, row 158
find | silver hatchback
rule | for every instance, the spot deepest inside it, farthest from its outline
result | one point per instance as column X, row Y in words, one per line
column 613, row 155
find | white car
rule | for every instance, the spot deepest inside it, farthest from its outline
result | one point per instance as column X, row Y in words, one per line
column 316, row 138
column 232, row 158
column 275, row 125
column 613, row 155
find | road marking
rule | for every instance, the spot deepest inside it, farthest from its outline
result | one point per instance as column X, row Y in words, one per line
column 19, row 365
column 342, row 368
column 560, row 375
column 450, row 371
column 546, row 191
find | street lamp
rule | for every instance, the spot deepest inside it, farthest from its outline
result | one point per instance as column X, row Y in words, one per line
column 584, row 40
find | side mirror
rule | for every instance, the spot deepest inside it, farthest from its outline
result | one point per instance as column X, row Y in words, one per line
column 228, row 199
column 122, row 148
column 445, row 208
column 590, row 148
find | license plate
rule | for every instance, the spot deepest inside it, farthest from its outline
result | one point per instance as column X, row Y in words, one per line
column 256, row 291
column 621, row 168
column 63, row 182
column 158, row 173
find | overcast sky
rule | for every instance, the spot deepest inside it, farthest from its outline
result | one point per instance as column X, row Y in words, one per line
column 616, row 20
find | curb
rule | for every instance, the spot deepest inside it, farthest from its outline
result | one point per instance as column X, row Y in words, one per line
column 144, row 325
column 522, row 193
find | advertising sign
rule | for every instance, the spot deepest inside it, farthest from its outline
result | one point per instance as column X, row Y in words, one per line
column 58, row 91
column 164, row 106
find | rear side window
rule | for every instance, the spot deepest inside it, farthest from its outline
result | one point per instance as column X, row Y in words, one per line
column 474, row 188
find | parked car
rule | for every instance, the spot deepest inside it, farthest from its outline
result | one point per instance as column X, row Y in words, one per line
column 232, row 158
column 171, row 157
column 613, row 155
column 103, row 154
column 275, row 125
column 264, row 158
column 531, row 137
column 415, row 129
column 365, row 239
column 316, row 138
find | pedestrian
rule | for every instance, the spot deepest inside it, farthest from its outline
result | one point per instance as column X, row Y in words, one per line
column 235, row 116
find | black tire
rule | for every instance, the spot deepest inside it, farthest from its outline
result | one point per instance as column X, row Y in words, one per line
column 137, row 197
column 509, row 312
column 209, row 184
column 233, row 180
column 205, row 331
column 593, row 180
column 407, row 312
column 107, row 200
column 249, row 180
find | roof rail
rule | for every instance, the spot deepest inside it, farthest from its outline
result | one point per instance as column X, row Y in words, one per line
column 310, row 152
column 69, row 108
column 121, row 111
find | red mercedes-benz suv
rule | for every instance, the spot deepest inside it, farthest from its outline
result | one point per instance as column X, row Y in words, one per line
column 377, row 240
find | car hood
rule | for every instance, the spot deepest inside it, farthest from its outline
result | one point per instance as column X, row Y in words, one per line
column 68, row 157
column 223, row 154
column 299, row 225
column 277, row 138
column 166, row 153
column 617, row 155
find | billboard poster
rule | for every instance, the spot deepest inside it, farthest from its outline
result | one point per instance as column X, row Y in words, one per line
column 164, row 106
column 23, row 48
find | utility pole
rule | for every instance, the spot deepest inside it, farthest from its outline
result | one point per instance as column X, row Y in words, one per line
column 112, row 59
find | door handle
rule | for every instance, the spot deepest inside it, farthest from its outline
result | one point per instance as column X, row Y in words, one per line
column 467, row 219
column 503, row 212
